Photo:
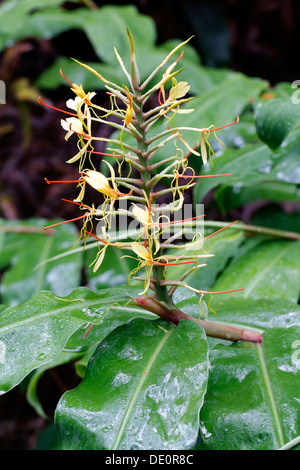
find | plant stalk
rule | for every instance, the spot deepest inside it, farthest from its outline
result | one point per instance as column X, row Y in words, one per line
column 214, row 330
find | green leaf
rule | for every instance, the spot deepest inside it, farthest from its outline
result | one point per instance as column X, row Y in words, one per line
column 22, row 252
column 270, row 270
column 140, row 390
column 275, row 119
column 25, row 18
column 222, row 246
column 106, row 29
column 35, row 333
column 51, row 78
column 246, row 167
column 222, row 103
column 260, row 314
column 114, row 270
column 31, row 391
column 231, row 197
column 252, row 401
column 286, row 165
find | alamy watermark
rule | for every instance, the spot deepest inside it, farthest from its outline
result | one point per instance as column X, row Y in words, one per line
column 296, row 94
column 2, row 352
column 296, row 353
column 2, row 92
column 187, row 223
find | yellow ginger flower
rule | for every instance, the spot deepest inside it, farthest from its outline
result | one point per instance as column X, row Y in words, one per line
column 100, row 183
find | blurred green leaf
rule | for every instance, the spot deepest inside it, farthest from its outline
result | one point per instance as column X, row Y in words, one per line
column 231, row 197
column 261, row 314
column 28, row 18
column 21, row 253
column 286, row 162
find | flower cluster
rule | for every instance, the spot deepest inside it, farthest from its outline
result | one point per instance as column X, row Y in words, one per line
column 135, row 109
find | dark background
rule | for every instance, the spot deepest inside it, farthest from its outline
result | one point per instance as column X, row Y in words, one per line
column 258, row 38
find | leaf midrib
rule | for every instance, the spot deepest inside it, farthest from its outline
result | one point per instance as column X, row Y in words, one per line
column 138, row 388
column 270, row 394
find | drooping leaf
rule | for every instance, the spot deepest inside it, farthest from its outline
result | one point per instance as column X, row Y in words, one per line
column 270, row 270
column 141, row 391
column 34, row 333
column 252, row 401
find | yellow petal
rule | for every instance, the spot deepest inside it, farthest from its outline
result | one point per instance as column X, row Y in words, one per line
column 99, row 260
column 79, row 154
column 72, row 124
column 142, row 215
column 81, row 194
column 141, row 251
column 99, row 182
column 203, row 149
column 179, row 90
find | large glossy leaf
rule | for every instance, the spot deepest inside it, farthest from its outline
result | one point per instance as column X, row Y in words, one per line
column 252, row 402
column 141, row 390
column 286, row 166
column 270, row 270
column 23, row 254
column 36, row 332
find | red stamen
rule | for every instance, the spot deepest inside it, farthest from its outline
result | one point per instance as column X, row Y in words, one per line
column 106, row 154
column 205, row 238
column 221, row 292
column 80, row 133
column 78, row 203
column 172, row 264
column 61, row 72
column 66, row 181
column 67, row 221
column 87, row 332
column 159, row 96
column 95, row 236
column 180, row 57
column 56, row 109
column 227, row 125
column 202, row 176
